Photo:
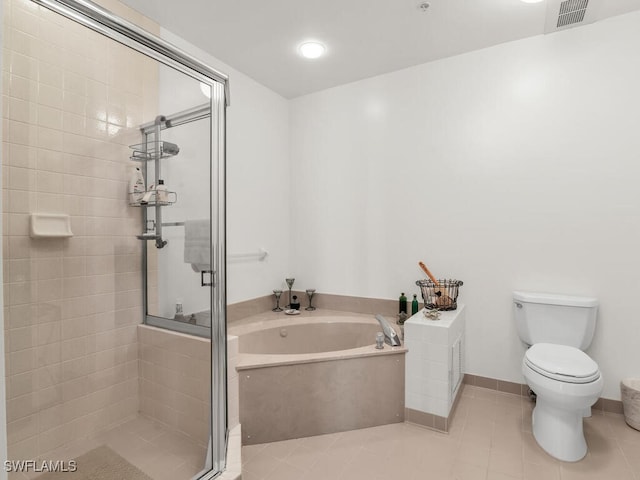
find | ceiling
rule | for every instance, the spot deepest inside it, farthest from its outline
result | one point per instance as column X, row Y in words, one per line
column 363, row 37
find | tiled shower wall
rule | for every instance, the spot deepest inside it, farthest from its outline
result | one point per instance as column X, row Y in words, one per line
column 72, row 101
column 175, row 379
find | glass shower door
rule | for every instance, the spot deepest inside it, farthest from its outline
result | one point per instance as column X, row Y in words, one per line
column 178, row 227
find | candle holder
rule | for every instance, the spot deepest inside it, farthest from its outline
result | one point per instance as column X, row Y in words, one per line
column 290, row 285
column 277, row 293
column 310, row 293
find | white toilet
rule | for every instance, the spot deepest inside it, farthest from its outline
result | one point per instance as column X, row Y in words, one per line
column 566, row 380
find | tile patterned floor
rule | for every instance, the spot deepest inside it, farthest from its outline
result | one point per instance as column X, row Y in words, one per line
column 490, row 439
column 155, row 449
column 152, row 447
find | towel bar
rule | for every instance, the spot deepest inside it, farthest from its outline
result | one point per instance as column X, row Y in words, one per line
column 261, row 254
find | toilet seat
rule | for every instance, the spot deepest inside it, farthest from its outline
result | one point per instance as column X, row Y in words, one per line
column 562, row 363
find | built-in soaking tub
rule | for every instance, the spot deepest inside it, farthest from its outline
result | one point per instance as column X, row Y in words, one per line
column 314, row 374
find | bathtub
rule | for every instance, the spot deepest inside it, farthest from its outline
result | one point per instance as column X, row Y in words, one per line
column 313, row 374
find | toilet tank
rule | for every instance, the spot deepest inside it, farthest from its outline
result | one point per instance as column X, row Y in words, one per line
column 552, row 318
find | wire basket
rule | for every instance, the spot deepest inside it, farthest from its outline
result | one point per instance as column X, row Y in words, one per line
column 442, row 297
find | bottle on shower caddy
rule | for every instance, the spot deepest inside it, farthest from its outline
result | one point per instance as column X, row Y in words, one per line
column 148, row 195
column 136, row 186
column 162, row 195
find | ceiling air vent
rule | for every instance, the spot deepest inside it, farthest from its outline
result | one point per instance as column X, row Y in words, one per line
column 563, row 14
column 571, row 11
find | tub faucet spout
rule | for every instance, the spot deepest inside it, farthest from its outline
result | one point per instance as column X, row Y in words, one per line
column 390, row 335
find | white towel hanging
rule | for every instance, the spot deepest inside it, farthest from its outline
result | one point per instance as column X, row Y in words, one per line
column 197, row 244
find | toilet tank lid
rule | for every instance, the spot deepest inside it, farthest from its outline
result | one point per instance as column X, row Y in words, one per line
column 555, row 299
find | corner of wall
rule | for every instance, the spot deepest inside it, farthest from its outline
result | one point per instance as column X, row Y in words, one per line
column 3, row 409
column 293, row 253
column 258, row 180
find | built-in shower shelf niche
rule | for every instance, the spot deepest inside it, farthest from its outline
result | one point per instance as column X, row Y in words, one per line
column 48, row 225
column 145, row 152
column 135, row 199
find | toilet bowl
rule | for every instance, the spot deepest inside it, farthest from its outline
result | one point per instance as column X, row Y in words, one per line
column 567, row 383
column 558, row 329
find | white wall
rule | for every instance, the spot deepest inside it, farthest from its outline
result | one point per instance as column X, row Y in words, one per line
column 513, row 167
column 258, row 194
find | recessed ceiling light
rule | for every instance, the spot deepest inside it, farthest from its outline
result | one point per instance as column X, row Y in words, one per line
column 311, row 49
column 532, row 1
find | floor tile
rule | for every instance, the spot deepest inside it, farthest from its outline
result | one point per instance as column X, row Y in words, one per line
column 468, row 471
column 303, row 457
column 284, row 471
column 134, row 441
column 474, row 454
column 490, row 439
column 501, row 476
column 537, row 471
column 506, row 463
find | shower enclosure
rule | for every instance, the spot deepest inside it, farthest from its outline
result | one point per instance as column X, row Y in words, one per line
column 97, row 281
column 175, row 224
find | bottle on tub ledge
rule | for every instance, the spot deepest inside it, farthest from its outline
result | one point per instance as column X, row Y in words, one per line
column 295, row 303
column 415, row 306
column 179, row 315
column 402, row 309
column 402, row 303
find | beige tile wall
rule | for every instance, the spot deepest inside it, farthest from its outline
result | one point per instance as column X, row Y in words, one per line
column 175, row 374
column 72, row 100
column 342, row 303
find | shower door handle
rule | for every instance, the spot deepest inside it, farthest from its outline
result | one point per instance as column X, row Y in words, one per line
column 204, row 283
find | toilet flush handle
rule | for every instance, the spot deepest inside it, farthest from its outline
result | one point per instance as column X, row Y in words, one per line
column 518, row 305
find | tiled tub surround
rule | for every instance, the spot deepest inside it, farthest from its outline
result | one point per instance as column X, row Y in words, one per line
column 315, row 373
column 323, row 301
column 72, row 100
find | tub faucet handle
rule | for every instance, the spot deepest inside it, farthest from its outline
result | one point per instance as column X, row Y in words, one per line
column 390, row 335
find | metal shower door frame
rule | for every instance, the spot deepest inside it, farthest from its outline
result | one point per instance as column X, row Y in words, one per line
column 112, row 26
